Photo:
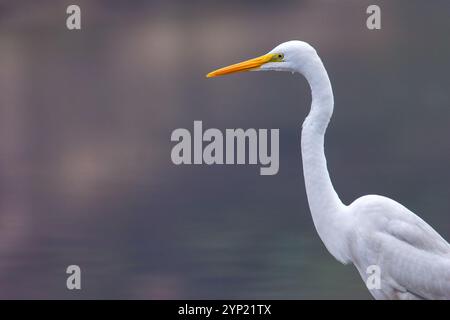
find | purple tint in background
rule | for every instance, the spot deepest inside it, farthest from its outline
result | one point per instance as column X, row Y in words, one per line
column 85, row 121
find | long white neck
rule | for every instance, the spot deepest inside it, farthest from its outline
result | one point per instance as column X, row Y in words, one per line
column 327, row 210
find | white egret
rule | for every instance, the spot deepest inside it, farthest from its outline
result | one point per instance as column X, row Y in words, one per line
column 413, row 259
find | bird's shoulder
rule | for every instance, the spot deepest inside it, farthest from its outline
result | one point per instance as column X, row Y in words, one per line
column 383, row 218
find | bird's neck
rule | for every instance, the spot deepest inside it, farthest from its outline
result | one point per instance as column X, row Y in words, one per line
column 327, row 210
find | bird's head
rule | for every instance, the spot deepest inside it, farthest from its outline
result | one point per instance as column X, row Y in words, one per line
column 290, row 56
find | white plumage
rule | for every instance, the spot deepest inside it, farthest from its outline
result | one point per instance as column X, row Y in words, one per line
column 413, row 259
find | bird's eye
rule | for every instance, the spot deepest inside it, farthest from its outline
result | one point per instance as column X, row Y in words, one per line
column 278, row 57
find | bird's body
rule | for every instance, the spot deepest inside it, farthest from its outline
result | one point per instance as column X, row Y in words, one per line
column 411, row 260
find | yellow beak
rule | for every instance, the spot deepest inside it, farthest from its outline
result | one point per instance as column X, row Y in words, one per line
column 248, row 65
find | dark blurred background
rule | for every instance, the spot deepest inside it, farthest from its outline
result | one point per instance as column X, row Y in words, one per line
column 85, row 121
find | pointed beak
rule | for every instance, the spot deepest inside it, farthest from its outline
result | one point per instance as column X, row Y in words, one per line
column 248, row 65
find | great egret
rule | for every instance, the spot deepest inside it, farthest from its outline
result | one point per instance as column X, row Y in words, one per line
column 413, row 260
